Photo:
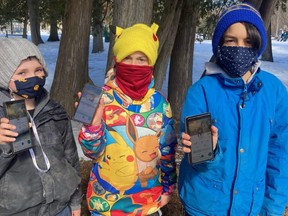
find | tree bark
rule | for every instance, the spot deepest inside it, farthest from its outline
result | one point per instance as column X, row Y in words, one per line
column 33, row 11
column 72, row 64
column 53, row 22
column 268, row 55
column 127, row 13
column 266, row 9
column 25, row 24
column 98, row 45
column 53, row 30
column 180, row 75
column 167, row 33
column 97, row 28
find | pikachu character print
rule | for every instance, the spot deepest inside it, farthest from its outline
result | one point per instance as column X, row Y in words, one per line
column 118, row 164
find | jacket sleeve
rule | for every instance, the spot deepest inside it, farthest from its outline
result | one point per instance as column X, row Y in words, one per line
column 276, row 196
column 6, row 156
column 92, row 140
column 71, row 155
column 168, row 143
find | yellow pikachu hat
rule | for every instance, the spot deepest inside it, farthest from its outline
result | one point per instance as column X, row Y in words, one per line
column 138, row 37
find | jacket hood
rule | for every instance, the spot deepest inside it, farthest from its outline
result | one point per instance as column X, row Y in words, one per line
column 212, row 68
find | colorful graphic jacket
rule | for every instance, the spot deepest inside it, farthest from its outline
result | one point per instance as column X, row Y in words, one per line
column 133, row 153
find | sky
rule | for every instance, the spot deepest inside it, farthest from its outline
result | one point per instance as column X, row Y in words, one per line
column 202, row 54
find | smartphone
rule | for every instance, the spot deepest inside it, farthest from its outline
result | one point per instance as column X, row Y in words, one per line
column 17, row 114
column 199, row 129
column 88, row 103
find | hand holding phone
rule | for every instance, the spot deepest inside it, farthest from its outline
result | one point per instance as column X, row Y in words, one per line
column 89, row 100
column 198, row 127
column 17, row 114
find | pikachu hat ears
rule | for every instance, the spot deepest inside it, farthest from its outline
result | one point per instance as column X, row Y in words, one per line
column 138, row 37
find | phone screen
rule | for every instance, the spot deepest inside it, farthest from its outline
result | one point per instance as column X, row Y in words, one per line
column 88, row 103
column 199, row 129
column 17, row 114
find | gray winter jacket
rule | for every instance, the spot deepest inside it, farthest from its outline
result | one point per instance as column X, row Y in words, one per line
column 26, row 191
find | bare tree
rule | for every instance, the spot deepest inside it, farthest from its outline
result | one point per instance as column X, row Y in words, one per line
column 72, row 64
column 33, row 11
column 266, row 9
column 167, row 33
column 127, row 13
column 180, row 75
column 54, row 8
column 99, row 12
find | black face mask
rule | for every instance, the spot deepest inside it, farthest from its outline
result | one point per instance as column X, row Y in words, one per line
column 31, row 87
column 236, row 61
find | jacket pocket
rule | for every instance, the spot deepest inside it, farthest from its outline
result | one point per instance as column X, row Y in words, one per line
column 200, row 191
column 19, row 192
column 257, row 197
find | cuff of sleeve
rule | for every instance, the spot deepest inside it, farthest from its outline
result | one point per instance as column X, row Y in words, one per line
column 92, row 128
column 170, row 191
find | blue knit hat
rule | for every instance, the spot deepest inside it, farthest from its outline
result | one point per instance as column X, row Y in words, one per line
column 239, row 13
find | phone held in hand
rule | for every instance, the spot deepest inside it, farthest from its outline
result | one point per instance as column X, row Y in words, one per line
column 88, row 103
column 17, row 114
column 199, row 129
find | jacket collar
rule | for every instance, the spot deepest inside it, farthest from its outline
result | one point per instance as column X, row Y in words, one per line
column 213, row 68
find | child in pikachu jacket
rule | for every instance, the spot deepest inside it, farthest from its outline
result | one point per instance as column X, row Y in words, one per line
column 133, row 153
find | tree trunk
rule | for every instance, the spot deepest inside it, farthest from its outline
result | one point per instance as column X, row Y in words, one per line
column 97, row 28
column 266, row 9
column 72, row 64
column 166, row 34
column 127, row 13
column 33, row 11
column 180, row 75
column 98, row 39
column 268, row 55
column 53, row 30
column 25, row 24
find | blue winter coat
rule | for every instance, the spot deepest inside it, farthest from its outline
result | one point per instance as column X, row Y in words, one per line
column 249, row 174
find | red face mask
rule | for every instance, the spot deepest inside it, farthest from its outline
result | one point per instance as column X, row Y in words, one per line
column 133, row 80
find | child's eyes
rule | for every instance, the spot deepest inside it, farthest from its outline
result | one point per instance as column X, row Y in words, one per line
column 21, row 73
column 229, row 41
column 40, row 70
column 127, row 58
column 248, row 41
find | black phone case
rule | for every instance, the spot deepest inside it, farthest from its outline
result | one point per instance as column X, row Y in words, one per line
column 199, row 129
column 88, row 103
column 16, row 112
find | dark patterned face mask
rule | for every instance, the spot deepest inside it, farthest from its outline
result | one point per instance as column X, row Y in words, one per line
column 31, row 87
column 236, row 61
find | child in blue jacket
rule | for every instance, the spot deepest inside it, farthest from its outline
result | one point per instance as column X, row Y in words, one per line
column 249, row 109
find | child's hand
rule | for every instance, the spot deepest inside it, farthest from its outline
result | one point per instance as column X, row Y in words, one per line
column 79, row 95
column 7, row 134
column 98, row 114
column 186, row 143
column 99, row 111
